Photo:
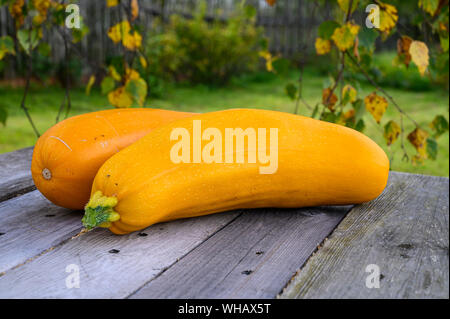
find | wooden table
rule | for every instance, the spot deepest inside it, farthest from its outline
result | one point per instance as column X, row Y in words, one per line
column 320, row 252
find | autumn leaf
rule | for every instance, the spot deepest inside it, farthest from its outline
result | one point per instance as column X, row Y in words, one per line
column 143, row 62
column 120, row 98
column 349, row 94
column 391, row 132
column 418, row 138
column 271, row 2
column 439, row 125
column 344, row 4
column 419, row 55
column 376, row 105
column 429, row 6
column 344, row 36
column 90, row 84
column 322, row 46
column 134, row 9
column 114, row 74
column 16, row 11
column 42, row 7
column 112, row 3
column 388, row 17
column 329, row 99
column 132, row 41
column 403, row 45
column 117, row 32
column 131, row 74
column 266, row 55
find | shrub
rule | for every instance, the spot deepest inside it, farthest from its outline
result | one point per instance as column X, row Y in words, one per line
column 198, row 51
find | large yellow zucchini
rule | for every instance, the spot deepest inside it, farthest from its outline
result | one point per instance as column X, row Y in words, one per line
column 318, row 163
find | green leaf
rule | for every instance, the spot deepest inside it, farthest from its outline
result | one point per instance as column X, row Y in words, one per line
column 327, row 28
column 432, row 148
column 78, row 34
column 367, row 38
column 44, row 49
column 6, row 46
column 360, row 125
column 138, row 90
column 107, row 84
column 439, row 125
column 28, row 40
column 329, row 117
column 291, row 91
column 282, row 66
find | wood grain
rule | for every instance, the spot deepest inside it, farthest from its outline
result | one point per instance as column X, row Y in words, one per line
column 109, row 266
column 405, row 232
column 15, row 174
column 29, row 225
column 253, row 257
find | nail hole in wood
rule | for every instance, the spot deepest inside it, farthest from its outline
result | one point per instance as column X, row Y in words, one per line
column 114, row 251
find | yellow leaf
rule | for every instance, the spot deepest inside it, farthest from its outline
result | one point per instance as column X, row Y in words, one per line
column 388, row 17
column 403, row 45
column 322, row 46
column 344, row 37
column 42, row 7
column 391, row 132
column 114, row 74
column 418, row 138
column 349, row 93
column 120, row 98
column 134, row 9
column 90, row 84
column 132, row 41
column 271, row 2
column 119, row 31
column 376, row 105
column 329, row 99
column 419, row 55
column 112, row 3
column 266, row 55
column 131, row 74
column 143, row 62
column 430, row 6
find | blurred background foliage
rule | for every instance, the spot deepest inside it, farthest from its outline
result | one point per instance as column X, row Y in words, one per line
column 209, row 55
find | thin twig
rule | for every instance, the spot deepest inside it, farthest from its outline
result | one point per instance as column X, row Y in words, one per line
column 66, row 98
column 27, row 87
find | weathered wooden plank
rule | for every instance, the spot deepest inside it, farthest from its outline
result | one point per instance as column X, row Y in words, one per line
column 405, row 232
column 253, row 257
column 29, row 225
column 109, row 266
column 15, row 174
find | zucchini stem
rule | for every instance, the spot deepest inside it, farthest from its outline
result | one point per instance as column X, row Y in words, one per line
column 99, row 211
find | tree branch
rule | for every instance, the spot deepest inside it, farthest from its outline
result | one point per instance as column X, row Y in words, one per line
column 372, row 81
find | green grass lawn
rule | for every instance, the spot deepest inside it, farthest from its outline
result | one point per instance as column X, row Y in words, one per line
column 253, row 91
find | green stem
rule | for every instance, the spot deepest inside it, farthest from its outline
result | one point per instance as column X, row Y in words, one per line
column 99, row 211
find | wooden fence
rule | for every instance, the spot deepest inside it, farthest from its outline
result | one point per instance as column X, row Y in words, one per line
column 289, row 25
